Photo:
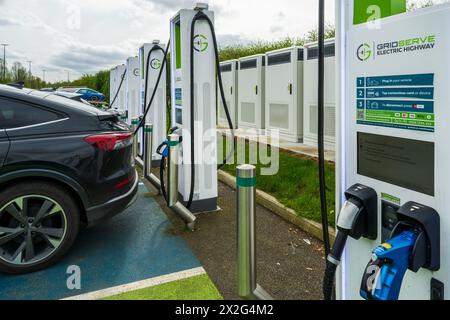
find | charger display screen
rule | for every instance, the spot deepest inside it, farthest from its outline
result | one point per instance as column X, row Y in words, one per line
column 403, row 162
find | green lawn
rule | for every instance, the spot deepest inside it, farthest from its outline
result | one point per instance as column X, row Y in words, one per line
column 296, row 185
column 194, row 288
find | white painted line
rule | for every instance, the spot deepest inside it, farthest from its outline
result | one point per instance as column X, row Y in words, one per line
column 100, row 294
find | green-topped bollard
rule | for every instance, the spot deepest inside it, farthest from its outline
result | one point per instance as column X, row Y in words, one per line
column 134, row 125
column 246, row 238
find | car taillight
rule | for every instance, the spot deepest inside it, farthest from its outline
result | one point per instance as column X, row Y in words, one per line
column 111, row 141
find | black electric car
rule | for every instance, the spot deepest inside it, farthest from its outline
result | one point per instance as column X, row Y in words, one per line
column 63, row 164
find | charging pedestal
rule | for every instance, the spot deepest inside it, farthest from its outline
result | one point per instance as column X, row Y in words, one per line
column 204, row 137
column 112, row 83
column 132, row 87
column 310, row 83
column 230, row 86
column 120, row 91
column 393, row 95
column 148, row 78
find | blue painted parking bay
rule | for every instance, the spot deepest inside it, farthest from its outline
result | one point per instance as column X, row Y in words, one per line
column 133, row 246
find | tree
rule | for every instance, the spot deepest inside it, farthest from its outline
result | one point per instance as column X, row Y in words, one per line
column 8, row 77
column 19, row 73
column 418, row 5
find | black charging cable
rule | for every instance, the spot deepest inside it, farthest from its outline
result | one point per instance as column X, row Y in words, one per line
column 118, row 90
column 330, row 268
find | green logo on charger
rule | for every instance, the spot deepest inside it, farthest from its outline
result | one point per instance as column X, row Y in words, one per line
column 155, row 64
column 200, row 43
column 364, row 52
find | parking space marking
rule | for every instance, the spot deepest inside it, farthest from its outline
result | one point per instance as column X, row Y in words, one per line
column 100, row 294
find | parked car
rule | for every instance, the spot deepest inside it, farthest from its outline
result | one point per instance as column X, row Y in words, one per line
column 86, row 93
column 63, row 164
column 70, row 95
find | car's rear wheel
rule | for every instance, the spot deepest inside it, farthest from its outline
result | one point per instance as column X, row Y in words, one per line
column 39, row 222
column 94, row 99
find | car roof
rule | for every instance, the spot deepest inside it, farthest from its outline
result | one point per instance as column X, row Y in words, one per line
column 49, row 99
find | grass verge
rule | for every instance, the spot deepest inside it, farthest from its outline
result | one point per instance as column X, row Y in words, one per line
column 296, row 184
column 194, row 288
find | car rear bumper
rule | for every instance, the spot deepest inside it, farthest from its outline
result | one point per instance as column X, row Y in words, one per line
column 114, row 206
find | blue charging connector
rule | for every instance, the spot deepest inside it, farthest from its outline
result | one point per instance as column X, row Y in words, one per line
column 384, row 274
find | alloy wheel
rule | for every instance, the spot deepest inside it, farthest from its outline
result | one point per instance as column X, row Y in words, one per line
column 32, row 227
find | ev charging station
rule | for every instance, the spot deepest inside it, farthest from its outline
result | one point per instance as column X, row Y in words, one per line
column 284, row 93
column 392, row 151
column 132, row 88
column 310, row 103
column 194, row 105
column 150, row 67
column 230, row 83
column 251, row 92
column 112, row 83
column 120, row 104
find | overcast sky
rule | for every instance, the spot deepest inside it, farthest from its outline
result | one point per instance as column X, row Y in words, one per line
column 85, row 36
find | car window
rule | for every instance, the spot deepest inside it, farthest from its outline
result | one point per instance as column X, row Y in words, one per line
column 82, row 91
column 15, row 114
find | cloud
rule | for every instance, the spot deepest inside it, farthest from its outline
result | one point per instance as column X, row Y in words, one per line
column 225, row 40
column 276, row 29
column 88, row 58
column 166, row 5
column 6, row 21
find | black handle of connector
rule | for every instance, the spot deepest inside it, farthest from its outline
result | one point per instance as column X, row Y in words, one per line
column 333, row 260
column 338, row 246
column 328, row 280
column 367, row 227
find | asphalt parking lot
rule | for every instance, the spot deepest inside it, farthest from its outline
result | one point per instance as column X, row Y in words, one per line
column 147, row 241
column 133, row 246
column 290, row 262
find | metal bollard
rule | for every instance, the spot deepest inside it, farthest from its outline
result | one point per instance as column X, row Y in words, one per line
column 148, row 130
column 174, row 158
column 172, row 193
column 134, row 125
column 246, row 238
column 148, row 154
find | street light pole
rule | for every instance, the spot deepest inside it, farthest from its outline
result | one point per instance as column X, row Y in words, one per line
column 4, row 59
column 68, row 75
column 29, row 70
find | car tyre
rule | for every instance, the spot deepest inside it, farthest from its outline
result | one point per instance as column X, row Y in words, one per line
column 53, row 218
